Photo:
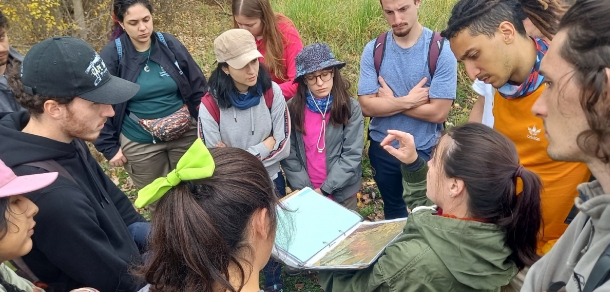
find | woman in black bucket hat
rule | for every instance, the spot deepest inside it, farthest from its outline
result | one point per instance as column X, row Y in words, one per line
column 327, row 138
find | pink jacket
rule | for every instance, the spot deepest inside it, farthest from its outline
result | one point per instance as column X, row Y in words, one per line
column 292, row 46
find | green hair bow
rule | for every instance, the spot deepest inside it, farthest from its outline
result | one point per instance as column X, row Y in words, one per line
column 196, row 163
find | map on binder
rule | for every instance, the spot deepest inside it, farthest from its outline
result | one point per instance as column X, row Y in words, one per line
column 315, row 232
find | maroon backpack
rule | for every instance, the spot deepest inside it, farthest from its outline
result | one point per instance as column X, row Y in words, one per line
column 210, row 104
column 436, row 46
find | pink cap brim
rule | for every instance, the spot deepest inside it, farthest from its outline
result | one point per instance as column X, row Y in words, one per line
column 27, row 183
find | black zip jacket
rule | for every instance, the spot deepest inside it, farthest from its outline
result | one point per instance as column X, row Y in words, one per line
column 189, row 78
column 81, row 237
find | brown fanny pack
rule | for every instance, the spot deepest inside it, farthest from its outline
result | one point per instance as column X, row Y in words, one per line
column 166, row 128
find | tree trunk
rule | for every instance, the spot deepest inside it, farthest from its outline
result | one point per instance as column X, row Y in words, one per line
column 79, row 18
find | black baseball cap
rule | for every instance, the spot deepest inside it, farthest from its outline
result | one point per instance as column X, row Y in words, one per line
column 69, row 67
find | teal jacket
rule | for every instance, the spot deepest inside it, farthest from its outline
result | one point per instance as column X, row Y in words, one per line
column 434, row 253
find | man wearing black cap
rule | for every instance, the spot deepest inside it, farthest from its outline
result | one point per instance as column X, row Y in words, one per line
column 85, row 227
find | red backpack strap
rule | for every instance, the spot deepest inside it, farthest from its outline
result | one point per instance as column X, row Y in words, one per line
column 212, row 107
column 379, row 51
column 269, row 98
column 436, row 46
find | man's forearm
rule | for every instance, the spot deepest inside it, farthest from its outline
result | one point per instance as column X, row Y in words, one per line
column 433, row 112
column 374, row 106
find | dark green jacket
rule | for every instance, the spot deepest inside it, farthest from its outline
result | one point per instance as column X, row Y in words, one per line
column 434, row 253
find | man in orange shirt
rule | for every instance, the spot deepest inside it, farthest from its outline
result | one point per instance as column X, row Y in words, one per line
column 488, row 36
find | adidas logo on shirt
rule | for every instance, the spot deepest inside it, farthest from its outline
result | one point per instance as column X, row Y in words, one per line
column 533, row 133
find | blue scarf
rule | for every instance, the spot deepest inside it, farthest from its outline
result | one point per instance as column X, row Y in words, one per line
column 247, row 100
column 533, row 81
column 322, row 103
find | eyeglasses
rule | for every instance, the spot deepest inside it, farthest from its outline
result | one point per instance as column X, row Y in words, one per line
column 313, row 79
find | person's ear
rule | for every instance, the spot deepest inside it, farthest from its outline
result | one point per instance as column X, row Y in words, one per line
column 53, row 109
column 456, row 187
column 261, row 224
column 508, row 32
column 225, row 69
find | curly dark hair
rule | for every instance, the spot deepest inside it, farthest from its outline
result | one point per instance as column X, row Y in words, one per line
column 484, row 17
column 587, row 48
column 3, row 20
column 544, row 14
column 34, row 103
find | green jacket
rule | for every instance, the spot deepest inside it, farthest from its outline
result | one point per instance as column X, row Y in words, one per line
column 434, row 253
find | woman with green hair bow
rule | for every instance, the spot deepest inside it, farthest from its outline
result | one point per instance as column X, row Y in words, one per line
column 213, row 209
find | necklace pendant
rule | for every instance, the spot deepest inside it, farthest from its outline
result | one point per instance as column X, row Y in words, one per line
column 146, row 68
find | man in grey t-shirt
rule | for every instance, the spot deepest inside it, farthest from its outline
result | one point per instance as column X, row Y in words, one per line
column 8, row 58
column 404, row 97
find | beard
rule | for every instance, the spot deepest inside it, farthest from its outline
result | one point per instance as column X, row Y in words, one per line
column 79, row 128
column 402, row 33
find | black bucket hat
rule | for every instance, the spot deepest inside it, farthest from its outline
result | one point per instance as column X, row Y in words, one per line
column 315, row 57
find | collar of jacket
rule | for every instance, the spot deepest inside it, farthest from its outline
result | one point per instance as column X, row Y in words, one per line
column 594, row 203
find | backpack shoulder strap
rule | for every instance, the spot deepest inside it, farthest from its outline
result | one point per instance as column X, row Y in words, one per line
column 269, row 97
column 119, row 48
column 379, row 51
column 52, row 166
column 23, row 270
column 436, row 46
column 161, row 38
column 600, row 273
column 210, row 104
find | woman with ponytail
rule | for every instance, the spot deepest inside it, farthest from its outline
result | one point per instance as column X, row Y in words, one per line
column 215, row 223
column 470, row 228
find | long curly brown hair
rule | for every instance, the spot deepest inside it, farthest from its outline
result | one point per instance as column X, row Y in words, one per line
column 587, row 48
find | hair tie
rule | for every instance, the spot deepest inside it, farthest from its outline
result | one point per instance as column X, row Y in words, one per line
column 114, row 18
column 518, row 171
column 196, row 163
column 192, row 187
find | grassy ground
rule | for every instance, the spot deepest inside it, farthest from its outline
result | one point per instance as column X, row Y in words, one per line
column 346, row 25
